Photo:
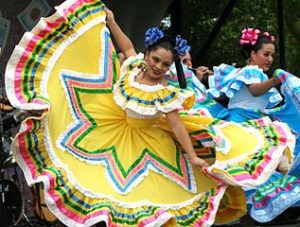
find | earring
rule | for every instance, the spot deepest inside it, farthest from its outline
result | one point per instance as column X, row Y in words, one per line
column 142, row 66
column 249, row 61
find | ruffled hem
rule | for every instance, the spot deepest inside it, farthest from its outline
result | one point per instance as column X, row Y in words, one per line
column 274, row 197
column 255, row 167
column 290, row 86
column 229, row 80
column 63, row 194
column 289, row 112
column 70, row 193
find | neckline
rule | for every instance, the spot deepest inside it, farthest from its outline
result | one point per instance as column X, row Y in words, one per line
column 144, row 87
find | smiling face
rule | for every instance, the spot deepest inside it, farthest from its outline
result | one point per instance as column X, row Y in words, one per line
column 158, row 62
column 263, row 58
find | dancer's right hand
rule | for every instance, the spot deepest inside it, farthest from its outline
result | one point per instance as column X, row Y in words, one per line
column 203, row 71
column 109, row 16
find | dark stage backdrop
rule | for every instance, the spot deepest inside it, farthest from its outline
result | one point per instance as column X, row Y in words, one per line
column 16, row 17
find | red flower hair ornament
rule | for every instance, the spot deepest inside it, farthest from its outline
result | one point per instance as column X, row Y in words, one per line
column 250, row 36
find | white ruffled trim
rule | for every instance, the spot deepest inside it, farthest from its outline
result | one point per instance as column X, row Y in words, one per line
column 135, row 71
column 154, row 109
column 281, row 203
column 127, row 62
column 238, row 74
column 19, row 50
column 163, row 218
column 267, row 171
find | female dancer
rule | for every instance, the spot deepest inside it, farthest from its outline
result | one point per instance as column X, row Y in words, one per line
column 251, row 96
column 107, row 148
column 249, row 89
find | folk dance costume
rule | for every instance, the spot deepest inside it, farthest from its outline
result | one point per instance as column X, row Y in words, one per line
column 233, row 82
column 280, row 191
column 270, row 200
column 103, row 149
column 204, row 103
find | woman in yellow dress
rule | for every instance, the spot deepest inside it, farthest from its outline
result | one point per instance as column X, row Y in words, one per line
column 117, row 149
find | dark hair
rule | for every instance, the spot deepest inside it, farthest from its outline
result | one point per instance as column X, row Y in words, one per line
column 169, row 44
column 165, row 43
column 261, row 40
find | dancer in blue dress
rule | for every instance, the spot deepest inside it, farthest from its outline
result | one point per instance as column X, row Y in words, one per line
column 253, row 95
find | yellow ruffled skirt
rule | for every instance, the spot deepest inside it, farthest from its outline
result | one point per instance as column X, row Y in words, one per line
column 99, row 165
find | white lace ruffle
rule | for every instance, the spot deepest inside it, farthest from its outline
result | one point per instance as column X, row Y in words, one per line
column 229, row 80
column 153, row 109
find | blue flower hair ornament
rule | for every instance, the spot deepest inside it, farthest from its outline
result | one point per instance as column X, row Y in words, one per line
column 181, row 46
column 152, row 35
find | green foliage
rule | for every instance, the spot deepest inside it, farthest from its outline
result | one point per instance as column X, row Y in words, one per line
column 292, row 26
column 259, row 14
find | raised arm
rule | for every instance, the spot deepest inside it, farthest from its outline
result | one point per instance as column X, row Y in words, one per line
column 184, row 139
column 123, row 42
column 258, row 89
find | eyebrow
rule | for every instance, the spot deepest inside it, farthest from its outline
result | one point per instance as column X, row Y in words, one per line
column 165, row 62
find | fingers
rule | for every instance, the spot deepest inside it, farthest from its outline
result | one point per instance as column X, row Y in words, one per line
column 205, row 164
column 201, row 163
column 204, row 70
column 210, row 72
column 276, row 81
column 107, row 9
column 109, row 15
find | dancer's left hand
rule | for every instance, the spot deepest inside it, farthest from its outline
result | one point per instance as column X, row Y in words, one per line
column 199, row 162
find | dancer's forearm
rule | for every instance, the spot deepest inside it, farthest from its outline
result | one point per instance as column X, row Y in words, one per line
column 122, row 40
column 258, row 89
